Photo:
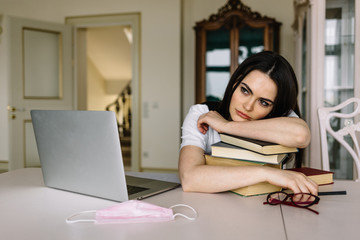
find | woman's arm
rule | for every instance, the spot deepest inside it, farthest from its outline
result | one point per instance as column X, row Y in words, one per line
column 197, row 177
column 287, row 131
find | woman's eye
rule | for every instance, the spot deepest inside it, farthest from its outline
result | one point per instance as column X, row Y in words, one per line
column 264, row 103
column 244, row 90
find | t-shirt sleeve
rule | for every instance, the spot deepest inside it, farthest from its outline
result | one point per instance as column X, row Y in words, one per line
column 190, row 133
column 293, row 114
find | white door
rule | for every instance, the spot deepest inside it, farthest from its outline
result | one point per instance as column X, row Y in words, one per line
column 40, row 78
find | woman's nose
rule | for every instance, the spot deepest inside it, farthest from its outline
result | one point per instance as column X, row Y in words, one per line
column 249, row 105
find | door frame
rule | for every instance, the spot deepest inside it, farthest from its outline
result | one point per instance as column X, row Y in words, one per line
column 132, row 19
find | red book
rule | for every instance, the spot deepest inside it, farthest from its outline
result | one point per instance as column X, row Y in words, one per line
column 321, row 177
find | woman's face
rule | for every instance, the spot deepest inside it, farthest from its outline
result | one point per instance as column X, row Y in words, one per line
column 254, row 97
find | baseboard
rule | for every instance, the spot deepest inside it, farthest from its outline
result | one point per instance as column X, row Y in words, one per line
column 4, row 166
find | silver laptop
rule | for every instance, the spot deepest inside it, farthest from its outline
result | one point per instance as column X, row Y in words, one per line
column 80, row 152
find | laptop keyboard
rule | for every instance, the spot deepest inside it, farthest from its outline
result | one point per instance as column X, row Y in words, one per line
column 135, row 189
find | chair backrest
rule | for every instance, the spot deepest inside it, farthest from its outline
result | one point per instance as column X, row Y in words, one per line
column 350, row 128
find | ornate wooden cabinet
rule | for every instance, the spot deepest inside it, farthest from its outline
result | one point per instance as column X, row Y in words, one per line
column 224, row 40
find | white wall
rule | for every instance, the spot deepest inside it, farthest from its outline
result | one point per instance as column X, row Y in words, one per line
column 161, row 91
column 161, row 34
column 160, row 64
column 197, row 10
column 97, row 98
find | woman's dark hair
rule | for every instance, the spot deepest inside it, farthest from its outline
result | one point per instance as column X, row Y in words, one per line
column 279, row 70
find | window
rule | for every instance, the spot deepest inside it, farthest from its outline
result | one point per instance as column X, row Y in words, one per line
column 327, row 56
column 339, row 74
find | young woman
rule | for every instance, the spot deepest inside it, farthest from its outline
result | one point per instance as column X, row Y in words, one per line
column 260, row 102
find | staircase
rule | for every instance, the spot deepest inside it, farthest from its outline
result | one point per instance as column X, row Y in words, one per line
column 122, row 107
column 126, row 150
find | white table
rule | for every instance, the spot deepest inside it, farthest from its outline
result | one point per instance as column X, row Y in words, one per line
column 29, row 210
column 339, row 216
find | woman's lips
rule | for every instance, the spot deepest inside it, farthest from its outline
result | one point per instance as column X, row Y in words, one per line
column 242, row 115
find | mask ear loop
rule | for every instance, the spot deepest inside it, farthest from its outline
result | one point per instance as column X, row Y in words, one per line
column 183, row 215
column 68, row 219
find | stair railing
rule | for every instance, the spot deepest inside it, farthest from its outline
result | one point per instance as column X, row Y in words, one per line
column 122, row 108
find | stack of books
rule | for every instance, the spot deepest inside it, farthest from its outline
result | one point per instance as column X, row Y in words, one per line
column 240, row 151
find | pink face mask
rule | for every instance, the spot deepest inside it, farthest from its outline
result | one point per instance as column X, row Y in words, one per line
column 133, row 211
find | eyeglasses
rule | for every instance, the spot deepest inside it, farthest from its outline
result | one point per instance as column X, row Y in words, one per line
column 301, row 200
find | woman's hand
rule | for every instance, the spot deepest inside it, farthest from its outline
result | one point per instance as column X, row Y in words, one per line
column 212, row 119
column 295, row 181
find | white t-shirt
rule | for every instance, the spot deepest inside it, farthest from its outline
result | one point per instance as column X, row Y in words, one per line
column 192, row 136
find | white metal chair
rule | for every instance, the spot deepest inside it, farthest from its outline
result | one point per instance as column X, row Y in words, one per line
column 350, row 128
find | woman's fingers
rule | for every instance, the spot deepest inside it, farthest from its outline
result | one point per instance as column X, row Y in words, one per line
column 212, row 119
column 303, row 184
column 297, row 182
column 202, row 125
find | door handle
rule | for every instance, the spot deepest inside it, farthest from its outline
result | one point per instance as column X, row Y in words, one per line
column 13, row 110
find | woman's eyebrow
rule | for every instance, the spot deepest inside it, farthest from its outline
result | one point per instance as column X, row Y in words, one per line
column 249, row 89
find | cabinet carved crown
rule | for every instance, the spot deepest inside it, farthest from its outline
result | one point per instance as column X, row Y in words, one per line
column 224, row 40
